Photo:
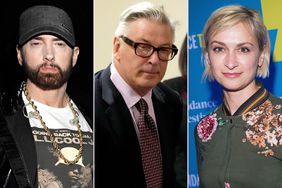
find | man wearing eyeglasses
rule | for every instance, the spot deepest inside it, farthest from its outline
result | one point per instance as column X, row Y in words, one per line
column 137, row 117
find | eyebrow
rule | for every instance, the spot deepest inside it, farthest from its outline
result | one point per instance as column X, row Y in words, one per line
column 240, row 44
column 168, row 45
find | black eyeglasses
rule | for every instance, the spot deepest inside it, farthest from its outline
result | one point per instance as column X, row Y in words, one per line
column 146, row 50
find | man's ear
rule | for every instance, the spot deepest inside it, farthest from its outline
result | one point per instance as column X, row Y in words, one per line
column 76, row 51
column 19, row 55
column 116, row 47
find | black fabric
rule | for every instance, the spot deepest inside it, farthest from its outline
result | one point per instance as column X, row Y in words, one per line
column 19, row 146
column 11, row 158
column 254, row 101
column 179, row 85
column 41, row 19
column 117, row 152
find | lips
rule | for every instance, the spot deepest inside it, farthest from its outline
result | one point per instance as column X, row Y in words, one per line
column 49, row 69
column 150, row 70
column 232, row 75
column 150, row 73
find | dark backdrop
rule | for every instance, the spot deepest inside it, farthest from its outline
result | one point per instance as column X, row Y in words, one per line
column 80, row 86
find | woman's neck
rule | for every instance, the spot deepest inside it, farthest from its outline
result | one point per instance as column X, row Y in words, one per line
column 234, row 99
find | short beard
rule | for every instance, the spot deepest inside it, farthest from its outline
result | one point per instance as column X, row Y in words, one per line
column 47, row 81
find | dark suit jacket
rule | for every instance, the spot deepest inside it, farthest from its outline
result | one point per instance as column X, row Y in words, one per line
column 19, row 149
column 117, row 152
column 178, row 84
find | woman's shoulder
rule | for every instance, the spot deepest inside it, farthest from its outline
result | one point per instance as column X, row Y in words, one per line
column 275, row 99
column 275, row 102
column 214, row 113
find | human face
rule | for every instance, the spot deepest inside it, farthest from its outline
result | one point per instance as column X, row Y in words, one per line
column 142, row 74
column 47, row 61
column 234, row 57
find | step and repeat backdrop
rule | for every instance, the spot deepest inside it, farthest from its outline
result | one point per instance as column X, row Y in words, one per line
column 204, row 96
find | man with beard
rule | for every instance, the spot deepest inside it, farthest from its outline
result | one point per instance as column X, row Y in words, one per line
column 49, row 141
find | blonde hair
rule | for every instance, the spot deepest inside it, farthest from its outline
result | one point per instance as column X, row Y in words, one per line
column 229, row 16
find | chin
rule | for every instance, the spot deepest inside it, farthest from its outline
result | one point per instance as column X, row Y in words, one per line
column 232, row 88
column 147, row 84
column 150, row 79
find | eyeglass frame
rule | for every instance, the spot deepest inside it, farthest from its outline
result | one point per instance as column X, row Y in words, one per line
column 133, row 44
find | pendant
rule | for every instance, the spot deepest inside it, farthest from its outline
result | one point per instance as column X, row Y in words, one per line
column 33, row 115
column 73, row 121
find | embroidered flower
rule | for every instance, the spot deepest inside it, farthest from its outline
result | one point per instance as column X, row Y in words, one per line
column 264, row 127
column 278, row 131
column 280, row 118
column 271, row 138
column 227, row 185
column 207, row 127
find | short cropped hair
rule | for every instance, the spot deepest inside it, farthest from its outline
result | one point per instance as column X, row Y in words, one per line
column 229, row 16
column 144, row 10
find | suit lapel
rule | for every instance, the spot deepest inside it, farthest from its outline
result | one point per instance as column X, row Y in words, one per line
column 19, row 126
column 14, row 155
column 117, row 112
column 162, row 117
column 162, row 113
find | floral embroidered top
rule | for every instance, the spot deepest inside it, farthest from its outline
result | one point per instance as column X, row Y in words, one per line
column 243, row 150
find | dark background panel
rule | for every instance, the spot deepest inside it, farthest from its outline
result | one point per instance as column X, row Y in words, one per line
column 80, row 85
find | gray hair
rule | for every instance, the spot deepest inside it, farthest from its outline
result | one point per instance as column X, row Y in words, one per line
column 144, row 10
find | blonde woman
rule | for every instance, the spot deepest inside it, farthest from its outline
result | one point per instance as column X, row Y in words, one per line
column 239, row 144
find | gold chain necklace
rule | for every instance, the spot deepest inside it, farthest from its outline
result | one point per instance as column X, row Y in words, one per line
column 52, row 138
